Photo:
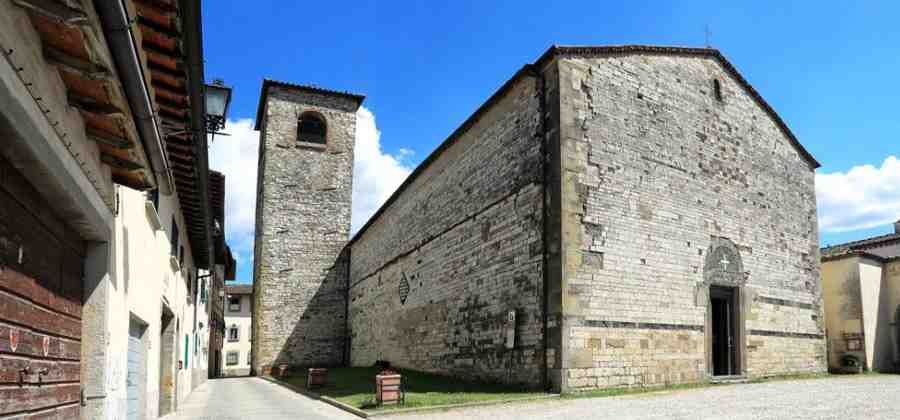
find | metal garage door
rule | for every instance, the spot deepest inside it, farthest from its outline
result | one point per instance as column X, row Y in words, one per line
column 137, row 371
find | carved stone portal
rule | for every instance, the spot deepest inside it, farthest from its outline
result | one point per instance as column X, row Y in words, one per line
column 723, row 266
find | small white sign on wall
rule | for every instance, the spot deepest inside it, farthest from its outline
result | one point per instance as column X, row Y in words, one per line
column 511, row 329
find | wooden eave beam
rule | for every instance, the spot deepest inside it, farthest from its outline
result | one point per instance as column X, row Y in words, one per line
column 156, row 16
column 172, row 112
column 186, row 181
column 193, row 211
column 160, row 40
column 54, row 10
column 187, row 187
column 163, row 59
column 183, row 158
column 185, row 167
column 183, row 147
column 182, row 167
column 94, row 106
column 174, row 126
column 109, row 139
column 170, row 6
column 129, row 181
column 120, row 163
column 86, row 69
column 156, row 68
column 171, row 82
column 183, row 164
column 190, row 207
column 171, row 96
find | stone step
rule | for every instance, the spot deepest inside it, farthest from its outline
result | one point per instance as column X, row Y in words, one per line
column 731, row 379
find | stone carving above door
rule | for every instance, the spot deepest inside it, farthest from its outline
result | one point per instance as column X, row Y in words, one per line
column 723, row 264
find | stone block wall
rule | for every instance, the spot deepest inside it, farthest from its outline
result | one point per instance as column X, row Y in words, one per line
column 433, row 277
column 302, row 226
column 645, row 356
column 656, row 172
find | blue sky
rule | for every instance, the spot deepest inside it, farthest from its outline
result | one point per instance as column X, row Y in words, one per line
column 828, row 70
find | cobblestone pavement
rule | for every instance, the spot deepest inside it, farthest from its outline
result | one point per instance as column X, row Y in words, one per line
column 868, row 397
column 252, row 399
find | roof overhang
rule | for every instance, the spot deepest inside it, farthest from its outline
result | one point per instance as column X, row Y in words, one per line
column 860, row 254
column 171, row 41
column 72, row 43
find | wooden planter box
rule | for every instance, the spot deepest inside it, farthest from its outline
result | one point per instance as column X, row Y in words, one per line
column 316, row 377
column 282, row 370
column 387, row 389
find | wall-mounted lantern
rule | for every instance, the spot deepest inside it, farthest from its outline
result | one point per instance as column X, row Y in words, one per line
column 218, row 97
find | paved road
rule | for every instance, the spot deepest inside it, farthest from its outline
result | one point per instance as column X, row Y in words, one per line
column 855, row 397
column 870, row 397
column 252, row 399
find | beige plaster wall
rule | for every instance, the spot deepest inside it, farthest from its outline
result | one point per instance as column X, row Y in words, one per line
column 886, row 357
column 843, row 306
column 870, row 291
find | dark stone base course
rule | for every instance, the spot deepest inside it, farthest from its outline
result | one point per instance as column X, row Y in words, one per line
column 787, row 334
column 783, row 302
column 640, row 325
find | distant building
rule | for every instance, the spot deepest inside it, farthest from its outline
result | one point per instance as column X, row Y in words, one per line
column 225, row 267
column 238, row 346
column 861, row 287
column 620, row 216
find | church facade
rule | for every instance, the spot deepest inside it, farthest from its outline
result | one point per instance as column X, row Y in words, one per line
column 611, row 216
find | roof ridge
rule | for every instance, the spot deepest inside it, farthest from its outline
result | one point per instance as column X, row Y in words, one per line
column 867, row 241
column 311, row 86
column 267, row 82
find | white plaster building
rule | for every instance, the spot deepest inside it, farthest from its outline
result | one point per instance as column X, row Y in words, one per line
column 101, row 116
column 166, row 354
column 238, row 346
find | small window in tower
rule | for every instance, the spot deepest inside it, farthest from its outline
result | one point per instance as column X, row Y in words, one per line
column 717, row 89
column 311, row 128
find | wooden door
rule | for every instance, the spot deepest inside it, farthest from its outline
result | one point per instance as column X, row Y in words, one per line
column 723, row 301
column 41, row 261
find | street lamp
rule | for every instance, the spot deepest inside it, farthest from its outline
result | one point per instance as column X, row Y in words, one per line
column 218, row 97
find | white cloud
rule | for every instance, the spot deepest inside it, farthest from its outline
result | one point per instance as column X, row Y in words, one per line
column 376, row 175
column 861, row 198
column 236, row 156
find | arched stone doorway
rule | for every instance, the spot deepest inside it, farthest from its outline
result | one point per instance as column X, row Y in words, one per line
column 722, row 291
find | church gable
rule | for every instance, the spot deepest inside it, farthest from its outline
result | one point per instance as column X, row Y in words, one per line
column 728, row 79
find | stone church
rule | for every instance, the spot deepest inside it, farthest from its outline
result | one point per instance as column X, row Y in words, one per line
column 610, row 216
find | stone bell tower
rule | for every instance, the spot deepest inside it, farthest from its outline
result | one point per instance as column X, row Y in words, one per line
column 303, row 206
